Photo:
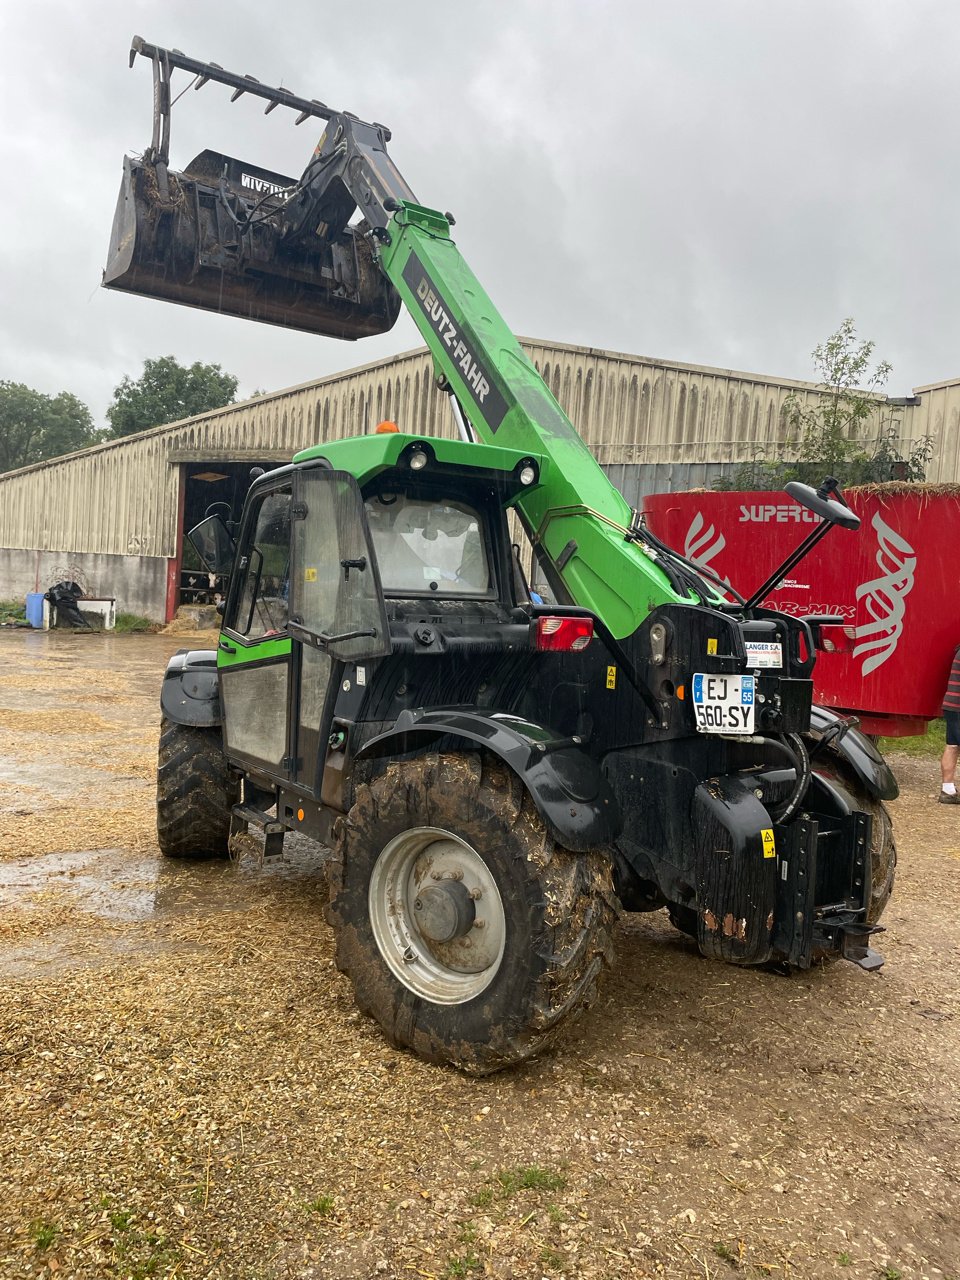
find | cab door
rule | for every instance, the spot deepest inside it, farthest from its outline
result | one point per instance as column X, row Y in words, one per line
column 337, row 613
column 254, row 654
column 306, row 599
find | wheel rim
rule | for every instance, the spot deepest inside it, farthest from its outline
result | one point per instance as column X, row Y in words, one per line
column 437, row 915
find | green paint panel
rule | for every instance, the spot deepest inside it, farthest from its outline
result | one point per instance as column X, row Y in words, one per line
column 275, row 647
column 366, row 456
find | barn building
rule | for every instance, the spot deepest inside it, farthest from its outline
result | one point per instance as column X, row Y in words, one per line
column 113, row 517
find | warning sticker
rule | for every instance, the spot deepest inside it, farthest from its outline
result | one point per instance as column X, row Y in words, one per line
column 712, row 645
column 309, row 575
column 769, row 848
column 611, row 677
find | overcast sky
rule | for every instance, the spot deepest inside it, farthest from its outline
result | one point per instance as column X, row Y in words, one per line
column 712, row 181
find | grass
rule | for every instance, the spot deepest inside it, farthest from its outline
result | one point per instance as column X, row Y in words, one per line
column 726, row 1253
column 457, row 1268
column 844, row 1259
column 508, row 1182
column 13, row 611
column 322, row 1205
column 140, row 1253
column 552, row 1259
column 529, row 1178
column 131, row 623
column 44, row 1233
column 927, row 745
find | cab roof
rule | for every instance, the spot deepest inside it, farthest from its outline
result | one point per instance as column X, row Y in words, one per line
column 366, row 457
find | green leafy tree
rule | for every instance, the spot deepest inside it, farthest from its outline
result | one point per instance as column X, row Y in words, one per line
column 34, row 426
column 849, row 431
column 167, row 391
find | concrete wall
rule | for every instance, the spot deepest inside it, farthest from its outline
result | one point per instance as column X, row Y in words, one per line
column 139, row 583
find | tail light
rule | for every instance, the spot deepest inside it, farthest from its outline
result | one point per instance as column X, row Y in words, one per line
column 564, row 635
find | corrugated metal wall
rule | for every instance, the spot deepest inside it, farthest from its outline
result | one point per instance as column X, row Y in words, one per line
column 681, row 421
column 629, row 409
column 938, row 416
column 120, row 499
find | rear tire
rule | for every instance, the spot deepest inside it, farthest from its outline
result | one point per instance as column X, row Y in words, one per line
column 195, row 792
column 485, row 997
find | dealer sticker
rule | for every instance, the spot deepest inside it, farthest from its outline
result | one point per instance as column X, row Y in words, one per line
column 764, row 653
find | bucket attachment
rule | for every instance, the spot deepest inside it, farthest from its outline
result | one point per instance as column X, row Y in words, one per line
column 210, row 241
column 240, row 240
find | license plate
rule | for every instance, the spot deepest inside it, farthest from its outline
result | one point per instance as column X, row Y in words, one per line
column 724, row 704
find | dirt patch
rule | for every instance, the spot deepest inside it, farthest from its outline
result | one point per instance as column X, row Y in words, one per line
column 189, row 1091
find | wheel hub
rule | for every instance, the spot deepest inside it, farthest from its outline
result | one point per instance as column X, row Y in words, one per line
column 436, row 915
column 444, row 911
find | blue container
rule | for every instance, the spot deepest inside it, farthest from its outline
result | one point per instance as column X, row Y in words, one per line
column 35, row 608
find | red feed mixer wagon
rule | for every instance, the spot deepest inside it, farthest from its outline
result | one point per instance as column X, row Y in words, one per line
column 896, row 590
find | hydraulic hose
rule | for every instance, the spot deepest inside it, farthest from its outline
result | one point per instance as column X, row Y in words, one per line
column 795, row 746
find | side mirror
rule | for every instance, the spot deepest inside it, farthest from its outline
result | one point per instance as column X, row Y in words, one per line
column 827, row 508
column 213, row 544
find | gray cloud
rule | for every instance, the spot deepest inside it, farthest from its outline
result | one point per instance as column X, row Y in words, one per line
column 712, row 182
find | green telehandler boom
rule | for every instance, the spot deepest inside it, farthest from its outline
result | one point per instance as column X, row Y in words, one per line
column 498, row 768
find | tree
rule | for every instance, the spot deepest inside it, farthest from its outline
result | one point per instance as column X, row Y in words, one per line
column 34, row 426
column 167, row 391
column 850, row 431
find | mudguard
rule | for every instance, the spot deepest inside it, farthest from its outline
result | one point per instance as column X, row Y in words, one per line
column 571, row 794
column 736, row 869
column 191, row 692
column 860, row 753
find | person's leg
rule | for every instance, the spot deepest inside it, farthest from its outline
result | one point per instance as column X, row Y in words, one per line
column 948, row 761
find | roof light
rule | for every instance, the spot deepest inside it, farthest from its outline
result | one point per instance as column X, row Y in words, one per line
column 418, row 460
column 563, row 635
column 382, row 428
column 528, row 474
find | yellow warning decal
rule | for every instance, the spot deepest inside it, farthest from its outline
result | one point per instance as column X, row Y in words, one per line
column 309, row 575
column 611, row 677
column 769, row 848
column 712, row 645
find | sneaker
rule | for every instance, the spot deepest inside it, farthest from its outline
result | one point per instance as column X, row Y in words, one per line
column 945, row 798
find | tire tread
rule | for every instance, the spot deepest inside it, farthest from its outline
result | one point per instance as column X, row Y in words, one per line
column 195, row 792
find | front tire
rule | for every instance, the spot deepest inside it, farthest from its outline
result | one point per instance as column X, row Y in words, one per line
column 469, row 935
column 195, row 792
column 883, row 849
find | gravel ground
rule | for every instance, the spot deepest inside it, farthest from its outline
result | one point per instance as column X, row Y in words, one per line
column 188, row 1091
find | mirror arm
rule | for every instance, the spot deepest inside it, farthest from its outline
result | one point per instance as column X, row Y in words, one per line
column 807, row 545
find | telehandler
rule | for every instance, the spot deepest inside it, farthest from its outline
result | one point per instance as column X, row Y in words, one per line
column 500, row 762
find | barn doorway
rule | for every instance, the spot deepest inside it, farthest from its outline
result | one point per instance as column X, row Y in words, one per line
column 207, row 487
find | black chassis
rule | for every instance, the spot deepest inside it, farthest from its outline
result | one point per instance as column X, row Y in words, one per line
column 607, row 747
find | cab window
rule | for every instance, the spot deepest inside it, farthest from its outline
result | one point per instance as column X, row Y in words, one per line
column 428, row 547
column 262, row 599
